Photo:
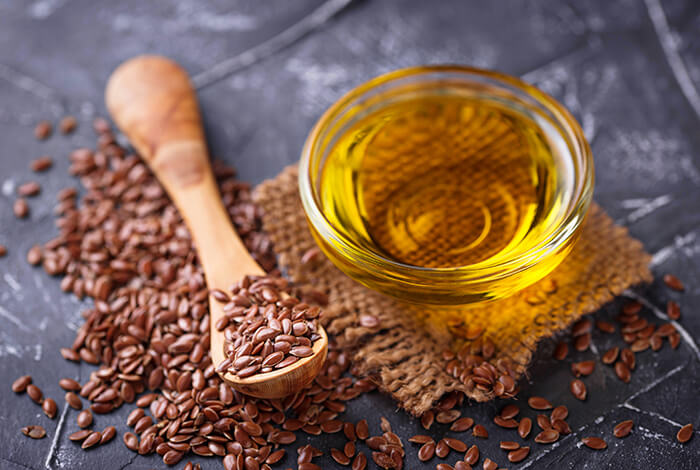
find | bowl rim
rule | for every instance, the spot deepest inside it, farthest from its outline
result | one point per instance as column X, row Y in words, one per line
column 577, row 205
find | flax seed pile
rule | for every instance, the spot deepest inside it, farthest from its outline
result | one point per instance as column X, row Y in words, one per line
column 123, row 244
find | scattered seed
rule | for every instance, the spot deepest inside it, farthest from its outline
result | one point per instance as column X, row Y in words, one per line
column 509, row 445
column 20, row 385
column 49, row 407
column 34, row 431
column 455, row 444
column 594, row 443
column 362, row 429
column 583, row 342
column 80, row 435
column 547, row 436
column 673, row 310
column 108, row 434
column 524, row 427
column 340, row 457
column 539, row 403
column 359, row 462
column 68, row 125
column 3, row 250
column 518, row 455
column 510, row 411
column 622, row 371
column 472, row 455
column 480, row 431
column 35, row 393
column 685, row 433
column 42, row 130
column 31, row 188
column 610, row 355
column 74, row 401
column 673, row 282
column 582, row 368
column 578, row 389
column 462, row 424
column 20, row 208
column 561, row 350
column 84, row 419
column 623, row 428
column 605, row 327
column 92, row 440
column 490, row 464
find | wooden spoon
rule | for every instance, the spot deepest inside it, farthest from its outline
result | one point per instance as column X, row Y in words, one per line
column 153, row 103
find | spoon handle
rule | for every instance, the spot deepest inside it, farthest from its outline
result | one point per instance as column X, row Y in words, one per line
column 152, row 101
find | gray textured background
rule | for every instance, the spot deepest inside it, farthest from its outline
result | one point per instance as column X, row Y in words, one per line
column 628, row 70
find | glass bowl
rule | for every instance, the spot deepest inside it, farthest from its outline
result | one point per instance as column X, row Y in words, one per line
column 471, row 283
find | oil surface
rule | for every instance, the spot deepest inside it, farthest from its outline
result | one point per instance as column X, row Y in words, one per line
column 442, row 182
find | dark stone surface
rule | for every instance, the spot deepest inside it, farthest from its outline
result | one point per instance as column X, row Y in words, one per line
column 628, row 70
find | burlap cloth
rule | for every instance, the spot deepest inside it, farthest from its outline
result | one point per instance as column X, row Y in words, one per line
column 404, row 354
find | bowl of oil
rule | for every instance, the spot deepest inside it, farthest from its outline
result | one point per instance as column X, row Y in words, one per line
column 446, row 185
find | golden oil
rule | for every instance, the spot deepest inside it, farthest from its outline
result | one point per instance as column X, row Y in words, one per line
column 444, row 181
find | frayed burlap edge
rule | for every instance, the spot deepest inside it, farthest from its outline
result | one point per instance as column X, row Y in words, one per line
column 404, row 353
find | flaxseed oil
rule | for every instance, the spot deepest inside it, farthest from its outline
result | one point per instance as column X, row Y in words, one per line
column 443, row 181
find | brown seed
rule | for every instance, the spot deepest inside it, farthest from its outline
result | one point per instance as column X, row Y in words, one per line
column 539, row 403
column 74, row 401
column 359, row 462
column 362, row 429
column 673, row 282
column 349, row 449
column 461, row 465
column 420, row 439
column 35, row 393
column 382, row 460
column 583, row 368
column 627, row 356
column 34, row 431
column 455, row 444
column 447, row 416
column 518, row 455
column 472, row 455
column 605, row 327
column 685, row 433
column 673, row 310
column 547, row 436
column 544, row 422
column 20, row 208
column 524, row 427
column 622, row 371
column 67, row 125
column 490, row 464
column 510, row 411
column 560, row 412
column 92, row 440
column 610, row 355
column 561, row 351
column 50, row 408
column 84, row 419
column 69, row 385
column 3, row 250
column 340, row 457
column 444, row 466
column 583, row 342
column 131, row 441
column 20, row 385
column 509, row 445
column 623, row 428
column 108, row 434
column 595, row 443
column 442, row 449
column 80, row 435
column 578, row 389
column 480, row 431
column 34, row 255
column 42, row 130
column 426, row 451
column 505, row 423
column 427, row 419
column 561, row 426
column 275, row 457
column 462, row 424
column 31, row 188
